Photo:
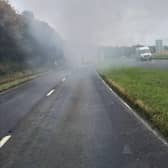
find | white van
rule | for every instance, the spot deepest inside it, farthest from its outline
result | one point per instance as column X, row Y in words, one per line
column 143, row 53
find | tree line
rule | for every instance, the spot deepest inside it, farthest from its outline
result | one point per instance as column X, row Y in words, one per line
column 26, row 42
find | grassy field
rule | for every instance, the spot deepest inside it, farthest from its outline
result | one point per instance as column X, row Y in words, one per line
column 14, row 76
column 18, row 78
column 161, row 56
column 146, row 90
column 16, row 82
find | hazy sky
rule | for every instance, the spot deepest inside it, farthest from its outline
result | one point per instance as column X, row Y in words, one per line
column 109, row 22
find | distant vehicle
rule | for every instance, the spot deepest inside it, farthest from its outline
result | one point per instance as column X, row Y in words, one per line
column 143, row 53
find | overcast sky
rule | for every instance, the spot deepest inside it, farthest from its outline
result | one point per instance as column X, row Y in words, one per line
column 109, row 22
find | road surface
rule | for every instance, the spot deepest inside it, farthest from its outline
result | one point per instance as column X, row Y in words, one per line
column 16, row 103
column 81, row 124
column 130, row 62
column 158, row 64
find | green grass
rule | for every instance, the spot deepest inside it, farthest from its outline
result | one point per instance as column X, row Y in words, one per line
column 146, row 90
column 14, row 79
column 14, row 76
column 16, row 82
column 161, row 56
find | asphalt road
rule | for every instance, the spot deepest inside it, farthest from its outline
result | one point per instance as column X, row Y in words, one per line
column 159, row 64
column 130, row 62
column 16, row 103
column 81, row 125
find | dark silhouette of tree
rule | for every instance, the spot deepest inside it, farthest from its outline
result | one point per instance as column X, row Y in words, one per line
column 27, row 42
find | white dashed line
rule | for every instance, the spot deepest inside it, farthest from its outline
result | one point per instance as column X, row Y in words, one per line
column 63, row 79
column 4, row 140
column 136, row 115
column 50, row 93
column 126, row 150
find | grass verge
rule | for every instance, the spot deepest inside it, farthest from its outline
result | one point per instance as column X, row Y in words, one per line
column 16, row 80
column 146, row 90
column 160, row 57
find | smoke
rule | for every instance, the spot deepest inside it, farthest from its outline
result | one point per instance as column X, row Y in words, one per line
column 113, row 22
column 84, row 24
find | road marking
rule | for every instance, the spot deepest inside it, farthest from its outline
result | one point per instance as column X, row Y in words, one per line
column 50, row 93
column 136, row 115
column 4, row 140
column 126, row 150
column 63, row 79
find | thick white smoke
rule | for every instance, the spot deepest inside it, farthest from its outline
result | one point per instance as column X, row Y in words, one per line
column 87, row 23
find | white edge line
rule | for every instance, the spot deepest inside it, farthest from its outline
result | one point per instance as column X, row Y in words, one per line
column 136, row 115
column 50, row 93
column 4, row 140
